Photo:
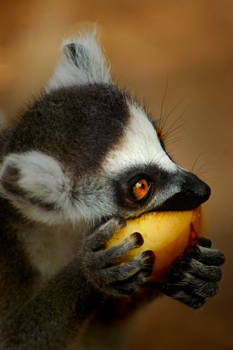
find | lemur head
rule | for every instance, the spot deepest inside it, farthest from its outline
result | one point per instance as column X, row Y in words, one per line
column 86, row 150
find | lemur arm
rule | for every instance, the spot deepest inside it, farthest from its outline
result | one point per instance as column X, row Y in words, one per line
column 51, row 318
column 54, row 315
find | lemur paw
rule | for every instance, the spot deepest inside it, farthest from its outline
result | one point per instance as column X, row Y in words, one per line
column 100, row 265
column 194, row 278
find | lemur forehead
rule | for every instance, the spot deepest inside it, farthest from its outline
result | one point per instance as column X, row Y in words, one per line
column 140, row 145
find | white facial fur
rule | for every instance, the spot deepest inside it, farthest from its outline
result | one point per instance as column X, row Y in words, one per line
column 140, row 146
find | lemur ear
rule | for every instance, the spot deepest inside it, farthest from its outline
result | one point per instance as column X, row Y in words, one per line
column 82, row 62
column 36, row 184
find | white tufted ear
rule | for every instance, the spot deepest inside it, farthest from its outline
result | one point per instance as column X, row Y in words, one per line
column 36, row 184
column 82, row 62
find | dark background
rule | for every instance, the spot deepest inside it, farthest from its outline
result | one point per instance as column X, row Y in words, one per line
column 177, row 56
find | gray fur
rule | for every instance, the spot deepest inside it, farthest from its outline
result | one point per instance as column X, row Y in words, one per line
column 63, row 194
column 195, row 278
column 82, row 63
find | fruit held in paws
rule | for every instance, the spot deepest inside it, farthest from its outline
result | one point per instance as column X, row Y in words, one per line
column 167, row 234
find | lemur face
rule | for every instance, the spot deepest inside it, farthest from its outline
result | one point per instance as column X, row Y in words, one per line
column 145, row 177
column 85, row 150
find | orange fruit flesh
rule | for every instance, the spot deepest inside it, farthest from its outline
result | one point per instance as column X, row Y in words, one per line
column 167, row 234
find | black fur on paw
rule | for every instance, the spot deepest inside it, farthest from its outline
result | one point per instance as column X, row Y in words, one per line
column 195, row 276
column 106, row 268
column 149, row 259
column 139, row 240
column 205, row 242
column 192, row 300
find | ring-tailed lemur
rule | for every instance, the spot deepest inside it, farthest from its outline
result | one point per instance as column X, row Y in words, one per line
column 80, row 161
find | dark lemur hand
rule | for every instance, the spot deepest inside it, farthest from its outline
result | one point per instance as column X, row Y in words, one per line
column 49, row 319
column 195, row 277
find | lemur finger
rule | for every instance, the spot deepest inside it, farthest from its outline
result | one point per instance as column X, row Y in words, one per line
column 109, row 256
column 195, row 267
column 103, row 233
column 204, row 242
column 206, row 272
column 192, row 300
column 133, row 283
column 208, row 256
column 194, row 285
column 126, row 270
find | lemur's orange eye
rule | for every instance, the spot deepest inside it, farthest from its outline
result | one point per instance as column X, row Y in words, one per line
column 140, row 189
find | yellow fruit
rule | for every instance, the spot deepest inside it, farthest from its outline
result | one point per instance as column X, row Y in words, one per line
column 167, row 234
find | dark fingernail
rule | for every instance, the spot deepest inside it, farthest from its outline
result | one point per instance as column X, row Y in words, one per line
column 204, row 242
column 174, row 276
column 138, row 238
column 221, row 258
column 198, row 303
column 181, row 263
column 192, row 252
column 147, row 272
column 218, row 275
column 149, row 258
column 211, row 290
column 169, row 289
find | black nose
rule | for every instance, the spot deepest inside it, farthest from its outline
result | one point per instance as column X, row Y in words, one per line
column 193, row 193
